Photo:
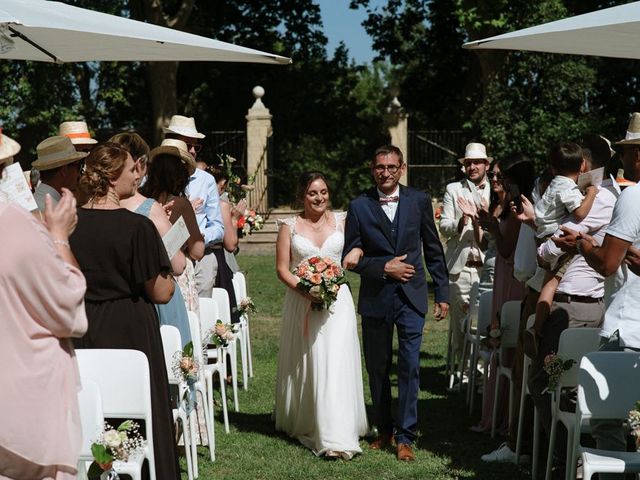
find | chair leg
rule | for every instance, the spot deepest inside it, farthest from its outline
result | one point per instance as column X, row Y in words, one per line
column 223, row 394
column 552, row 441
column 523, row 395
column 494, row 413
column 463, row 358
column 208, row 420
column 233, row 358
column 570, row 464
column 472, row 374
column 450, row 359
column 191, row 419
column 243, row 356
column 249, row 359
column 536, row 444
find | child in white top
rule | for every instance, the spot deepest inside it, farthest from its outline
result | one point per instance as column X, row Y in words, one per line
column 562, row 198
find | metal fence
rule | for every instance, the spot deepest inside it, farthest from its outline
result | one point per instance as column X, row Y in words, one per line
column 230, row 142
column 433, row 158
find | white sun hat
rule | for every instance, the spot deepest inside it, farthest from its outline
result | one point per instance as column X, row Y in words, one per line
column 185, row 126
column 8, row 149
column 475, row 151
column 632, row 136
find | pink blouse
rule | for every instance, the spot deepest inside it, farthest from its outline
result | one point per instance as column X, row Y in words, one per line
column 41, row 306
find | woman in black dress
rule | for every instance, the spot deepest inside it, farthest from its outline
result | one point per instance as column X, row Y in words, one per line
column 127, row 270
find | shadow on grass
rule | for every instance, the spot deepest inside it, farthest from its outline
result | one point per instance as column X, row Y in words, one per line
column 260, row 423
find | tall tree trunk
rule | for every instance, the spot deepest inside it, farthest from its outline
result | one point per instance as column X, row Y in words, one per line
column 161, row 79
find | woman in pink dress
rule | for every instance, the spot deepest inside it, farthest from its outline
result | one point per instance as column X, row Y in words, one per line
column 504, row 227
column 42, row 297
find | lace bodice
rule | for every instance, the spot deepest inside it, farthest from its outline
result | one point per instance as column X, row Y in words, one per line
column 302, row 247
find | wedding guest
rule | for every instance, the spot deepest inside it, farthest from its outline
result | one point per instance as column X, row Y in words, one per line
column 127, row 271
column 78, row 133
column 41, row 433
column 518, row 170
column 173, row 313
column 60, row 167
column 202, row 192
column 459, row 225
column 170, row 167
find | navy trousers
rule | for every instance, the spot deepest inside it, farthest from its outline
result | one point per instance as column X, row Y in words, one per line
column 377, row 336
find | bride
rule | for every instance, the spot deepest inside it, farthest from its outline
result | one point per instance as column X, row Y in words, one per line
column 319, row 391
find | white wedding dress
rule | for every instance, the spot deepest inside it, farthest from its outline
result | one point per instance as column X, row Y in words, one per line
column 319, row 390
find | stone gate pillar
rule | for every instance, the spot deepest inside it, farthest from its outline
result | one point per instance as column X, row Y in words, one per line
column 397, row 121
column 258, row 131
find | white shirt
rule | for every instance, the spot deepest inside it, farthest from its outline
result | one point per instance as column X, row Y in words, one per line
column 580, row 278
column 390, row 208
column 41, row 193
column 624, row 312
column 560, row 199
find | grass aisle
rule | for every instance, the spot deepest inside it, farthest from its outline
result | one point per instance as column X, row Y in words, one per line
column 254, row 450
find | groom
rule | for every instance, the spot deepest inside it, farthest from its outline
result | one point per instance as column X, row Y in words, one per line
column 393, row 225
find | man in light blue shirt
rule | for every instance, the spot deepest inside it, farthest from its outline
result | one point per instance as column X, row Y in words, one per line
column 202, row 191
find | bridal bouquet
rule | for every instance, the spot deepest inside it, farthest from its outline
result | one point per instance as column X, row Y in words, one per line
column 250, row 222
column 555, row 366
column 321, row 277
column 114, row 444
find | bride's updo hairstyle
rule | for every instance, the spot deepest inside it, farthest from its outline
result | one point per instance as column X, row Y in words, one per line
column 306, row 179
column 103, row 165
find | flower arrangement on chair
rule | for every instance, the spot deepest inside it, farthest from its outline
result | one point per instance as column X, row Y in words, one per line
column 186, row 368
column 246, row 306
column 114, row 444
column 633, row 424
column 555, row 366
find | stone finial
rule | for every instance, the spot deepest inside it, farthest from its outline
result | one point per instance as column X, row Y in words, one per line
column 395, row 106
column 258, row 93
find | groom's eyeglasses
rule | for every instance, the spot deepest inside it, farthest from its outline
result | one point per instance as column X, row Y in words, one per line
column 392, row 169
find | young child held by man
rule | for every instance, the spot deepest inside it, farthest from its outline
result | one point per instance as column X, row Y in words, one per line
column 562, row 198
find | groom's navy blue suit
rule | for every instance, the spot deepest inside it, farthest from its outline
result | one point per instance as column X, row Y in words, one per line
column 384, row 302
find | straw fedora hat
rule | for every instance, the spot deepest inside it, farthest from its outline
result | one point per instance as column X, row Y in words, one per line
column 185, row 126
column 56, row 152
column 175, row 148
column 78, row 132
column 633, row 131
column 8, row 149
column 475, row 151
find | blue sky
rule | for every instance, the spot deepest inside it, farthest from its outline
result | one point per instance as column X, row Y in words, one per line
column 341, row 23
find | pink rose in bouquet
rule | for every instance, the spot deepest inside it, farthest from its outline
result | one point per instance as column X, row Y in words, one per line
column 322, row 278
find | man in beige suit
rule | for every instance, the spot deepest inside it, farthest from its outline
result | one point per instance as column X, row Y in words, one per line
column 460, row 228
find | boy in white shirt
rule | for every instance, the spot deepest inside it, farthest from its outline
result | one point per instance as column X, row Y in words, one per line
column 562, row 198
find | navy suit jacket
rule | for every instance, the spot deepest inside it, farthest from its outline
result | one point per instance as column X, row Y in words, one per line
column 368, row 228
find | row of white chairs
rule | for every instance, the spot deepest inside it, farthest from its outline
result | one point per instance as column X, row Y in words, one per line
column 579, row 345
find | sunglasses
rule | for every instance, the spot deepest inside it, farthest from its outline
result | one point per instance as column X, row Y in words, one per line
column 196, row 147
column 495, row 176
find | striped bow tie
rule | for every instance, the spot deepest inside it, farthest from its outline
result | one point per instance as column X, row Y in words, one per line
column 385, row 200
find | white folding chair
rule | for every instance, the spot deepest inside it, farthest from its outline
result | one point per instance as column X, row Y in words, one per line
column 200, row 386
column 92, row 419
column 172, row 343
column 509, row 325
column 241, row 280
column 243, row 330
column 472, row 316
column 208, row 317
column 475, row 337
column 608, row 387
column 124, row 382
column 574, row 343
column 221, row 297
column 524, row 393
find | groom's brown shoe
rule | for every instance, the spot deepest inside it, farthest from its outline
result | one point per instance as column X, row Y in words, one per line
column 381, row 442
column 405, row 453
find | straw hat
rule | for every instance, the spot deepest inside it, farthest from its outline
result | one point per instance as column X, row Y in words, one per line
column 8, row 148
column 475, row 151
column 185, row 126
column 176, row 148
column 633, row 131
column 55, row 152
column 78, row 132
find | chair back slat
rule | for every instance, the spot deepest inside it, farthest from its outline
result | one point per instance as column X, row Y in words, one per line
column 171, row 343
column 608, row 384
column 221, row 297
column 91, row 417
column 484, row 312
column 510, row 324
column 574, row 344
column 208, row 315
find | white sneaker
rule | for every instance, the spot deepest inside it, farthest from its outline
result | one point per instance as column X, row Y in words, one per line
column 502, row 454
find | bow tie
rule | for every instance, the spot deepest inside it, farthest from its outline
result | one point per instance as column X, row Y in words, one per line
column 385, row 200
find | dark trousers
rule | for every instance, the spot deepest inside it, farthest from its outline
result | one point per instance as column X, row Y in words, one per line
column 377, row 336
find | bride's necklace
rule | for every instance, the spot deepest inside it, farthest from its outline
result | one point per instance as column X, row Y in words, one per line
column 110, row 201
column 316, row 226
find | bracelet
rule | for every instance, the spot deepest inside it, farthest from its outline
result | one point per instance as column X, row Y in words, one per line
column 578, row 247
column 64, row 243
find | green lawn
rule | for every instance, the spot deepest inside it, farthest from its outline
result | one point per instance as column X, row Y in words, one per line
column 254, row 450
